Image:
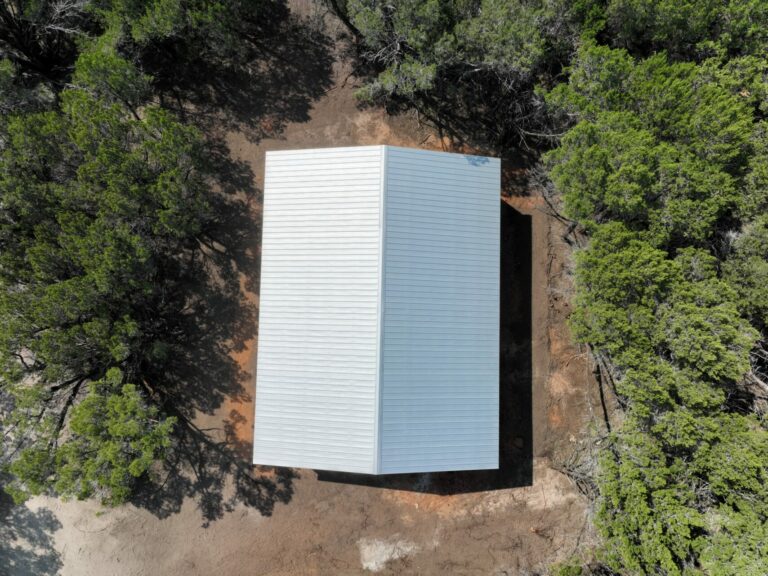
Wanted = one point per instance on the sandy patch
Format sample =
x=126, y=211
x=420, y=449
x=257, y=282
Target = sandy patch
x=375, y=553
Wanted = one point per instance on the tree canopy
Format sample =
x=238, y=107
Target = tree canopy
x=470, y=67
x=99, y=206
x=42, y=39
x=661, y=167
x=121, y=292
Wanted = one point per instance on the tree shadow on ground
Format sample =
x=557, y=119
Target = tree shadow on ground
x=26, y=540
x=282, y=63
x=288, y=66
x=202, y=371
x=479, y=112
x=515, y=383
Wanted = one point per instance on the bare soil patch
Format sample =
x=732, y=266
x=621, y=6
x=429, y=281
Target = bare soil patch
x=522, y=518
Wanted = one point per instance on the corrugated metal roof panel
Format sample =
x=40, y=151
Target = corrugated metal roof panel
x=318, y=320
x=440, y=349
x=379, y=311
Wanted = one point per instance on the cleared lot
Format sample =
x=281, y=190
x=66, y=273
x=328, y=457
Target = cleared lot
x=523, y=517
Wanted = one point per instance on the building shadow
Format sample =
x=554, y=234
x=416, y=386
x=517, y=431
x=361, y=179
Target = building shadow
x=515, y=383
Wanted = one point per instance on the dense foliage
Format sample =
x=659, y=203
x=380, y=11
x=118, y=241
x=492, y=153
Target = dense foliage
x=469, y=66
x=99, y=206
x=39, y=36
x=121, y=291
x=663, y=168
x=104, y=200
x=42, y=39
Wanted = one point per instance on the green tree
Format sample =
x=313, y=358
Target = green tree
x=467, y=66
x=657, y=141
x=663, y=168
x=691, y=29
x=113, y=438
x=14, y=96
x=42, y=39
x=746, y=269
x=172, y=39
x=101, y=207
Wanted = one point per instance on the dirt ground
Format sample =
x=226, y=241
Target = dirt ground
x=518, y=520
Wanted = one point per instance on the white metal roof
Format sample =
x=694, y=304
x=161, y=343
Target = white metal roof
x=379, y=311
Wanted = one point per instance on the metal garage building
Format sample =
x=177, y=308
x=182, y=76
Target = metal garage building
x=379, y=311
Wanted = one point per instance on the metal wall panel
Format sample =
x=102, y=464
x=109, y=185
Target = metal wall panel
x=379, y=310
x=318, y=311
x=439, y=387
